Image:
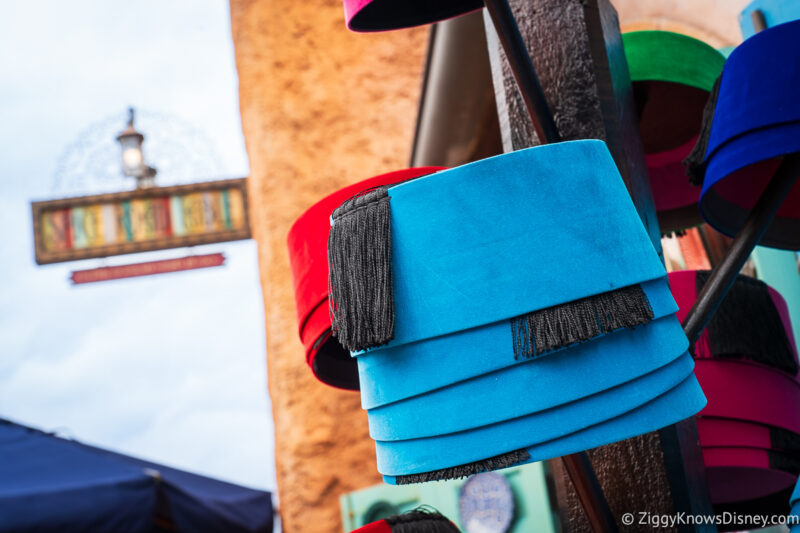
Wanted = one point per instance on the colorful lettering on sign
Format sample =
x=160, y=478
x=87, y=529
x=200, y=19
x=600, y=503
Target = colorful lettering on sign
x=89, y=226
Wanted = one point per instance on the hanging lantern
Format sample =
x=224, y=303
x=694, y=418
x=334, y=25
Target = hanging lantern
x=753, y=124
x=747, y=365
x=672, y=77
x=493, y=289
x=308, y=256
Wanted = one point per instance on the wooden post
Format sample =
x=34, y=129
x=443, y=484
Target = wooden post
x=576, y=49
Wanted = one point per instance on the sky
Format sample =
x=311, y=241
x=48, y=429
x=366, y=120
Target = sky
x=168, y=368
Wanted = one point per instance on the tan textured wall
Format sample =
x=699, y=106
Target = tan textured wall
x=321, y=108
x=713, y=21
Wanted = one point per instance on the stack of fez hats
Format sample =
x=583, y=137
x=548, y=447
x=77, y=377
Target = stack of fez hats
x=506, y=311
x=672, y=76
x=746, y=362
x=308, y=256
x=752, y=122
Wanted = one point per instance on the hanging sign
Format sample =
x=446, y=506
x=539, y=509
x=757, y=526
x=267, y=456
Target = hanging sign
x=149, y=268
x=148, y=219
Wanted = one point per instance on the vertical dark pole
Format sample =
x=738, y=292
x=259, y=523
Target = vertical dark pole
x=577, y=465
x=577, y=52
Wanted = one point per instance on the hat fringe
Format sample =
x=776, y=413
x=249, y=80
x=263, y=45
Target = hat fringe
x=493, y=463
x=784, y=462
x=784, y=440
x=420, y=520
x=361, y=298
x=545, y=330
x=695, y=163
x=747, y=325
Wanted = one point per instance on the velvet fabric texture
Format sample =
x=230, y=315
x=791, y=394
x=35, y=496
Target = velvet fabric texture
x=451, y=359
x=381, y=15
x=498, y=238
x=676, y=404
x=308, y=257
x=756, y=122
x=672, y=76
x=747, y=366
x=752, y=321
x=474, y=247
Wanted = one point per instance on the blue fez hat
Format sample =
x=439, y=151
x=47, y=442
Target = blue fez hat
x=511, y=278
x=795, y=503
x=751, y=122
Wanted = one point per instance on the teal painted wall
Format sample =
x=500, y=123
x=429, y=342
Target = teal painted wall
x=533, y=510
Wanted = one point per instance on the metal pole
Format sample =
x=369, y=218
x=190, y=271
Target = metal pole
x=578, y=465
x=724, y=274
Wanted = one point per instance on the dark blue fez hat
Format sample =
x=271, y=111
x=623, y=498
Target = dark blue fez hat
x=754, y=122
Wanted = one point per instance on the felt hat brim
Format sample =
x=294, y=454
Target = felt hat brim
x=750, y=391
x=488, y=441
x=499, y=238
x=756, y=120
x=382, y=15
x=731, y=432
x=740, y=474
x=539, y=385
x=435, y=363
x=678, y=403
x=655, y=55
x=737, y=174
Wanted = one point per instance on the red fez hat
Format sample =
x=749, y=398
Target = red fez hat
x=308, y=256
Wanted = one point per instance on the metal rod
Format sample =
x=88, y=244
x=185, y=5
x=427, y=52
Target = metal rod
x=758, y=20
x=578, y=465
x=724, y=274
x=522, y=68
x=586, y=485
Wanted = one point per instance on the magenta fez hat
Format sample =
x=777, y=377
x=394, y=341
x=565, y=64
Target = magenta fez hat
x=747, y=366
x=380, y=15
x=672, y=76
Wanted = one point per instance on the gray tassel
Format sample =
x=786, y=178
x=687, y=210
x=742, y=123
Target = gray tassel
x=784, y=440
x=695, y=162
x=360, y=271
x=493, y=463
x=420, y=520
x=747, y=325
x=578, y=321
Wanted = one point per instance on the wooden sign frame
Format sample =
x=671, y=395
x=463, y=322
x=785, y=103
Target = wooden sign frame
x=44, y=256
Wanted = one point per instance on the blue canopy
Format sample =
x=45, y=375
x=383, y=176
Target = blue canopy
x=48, y=483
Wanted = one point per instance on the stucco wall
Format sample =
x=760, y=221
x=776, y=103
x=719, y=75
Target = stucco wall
x=321, y=108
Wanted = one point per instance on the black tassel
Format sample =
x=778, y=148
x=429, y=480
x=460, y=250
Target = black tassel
x=578, y=321
x=695, y=162
x=360, y=271
x=493, y=463
x=747, y=325
x=421, y=520
x=784, y=440
x=784, y=462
